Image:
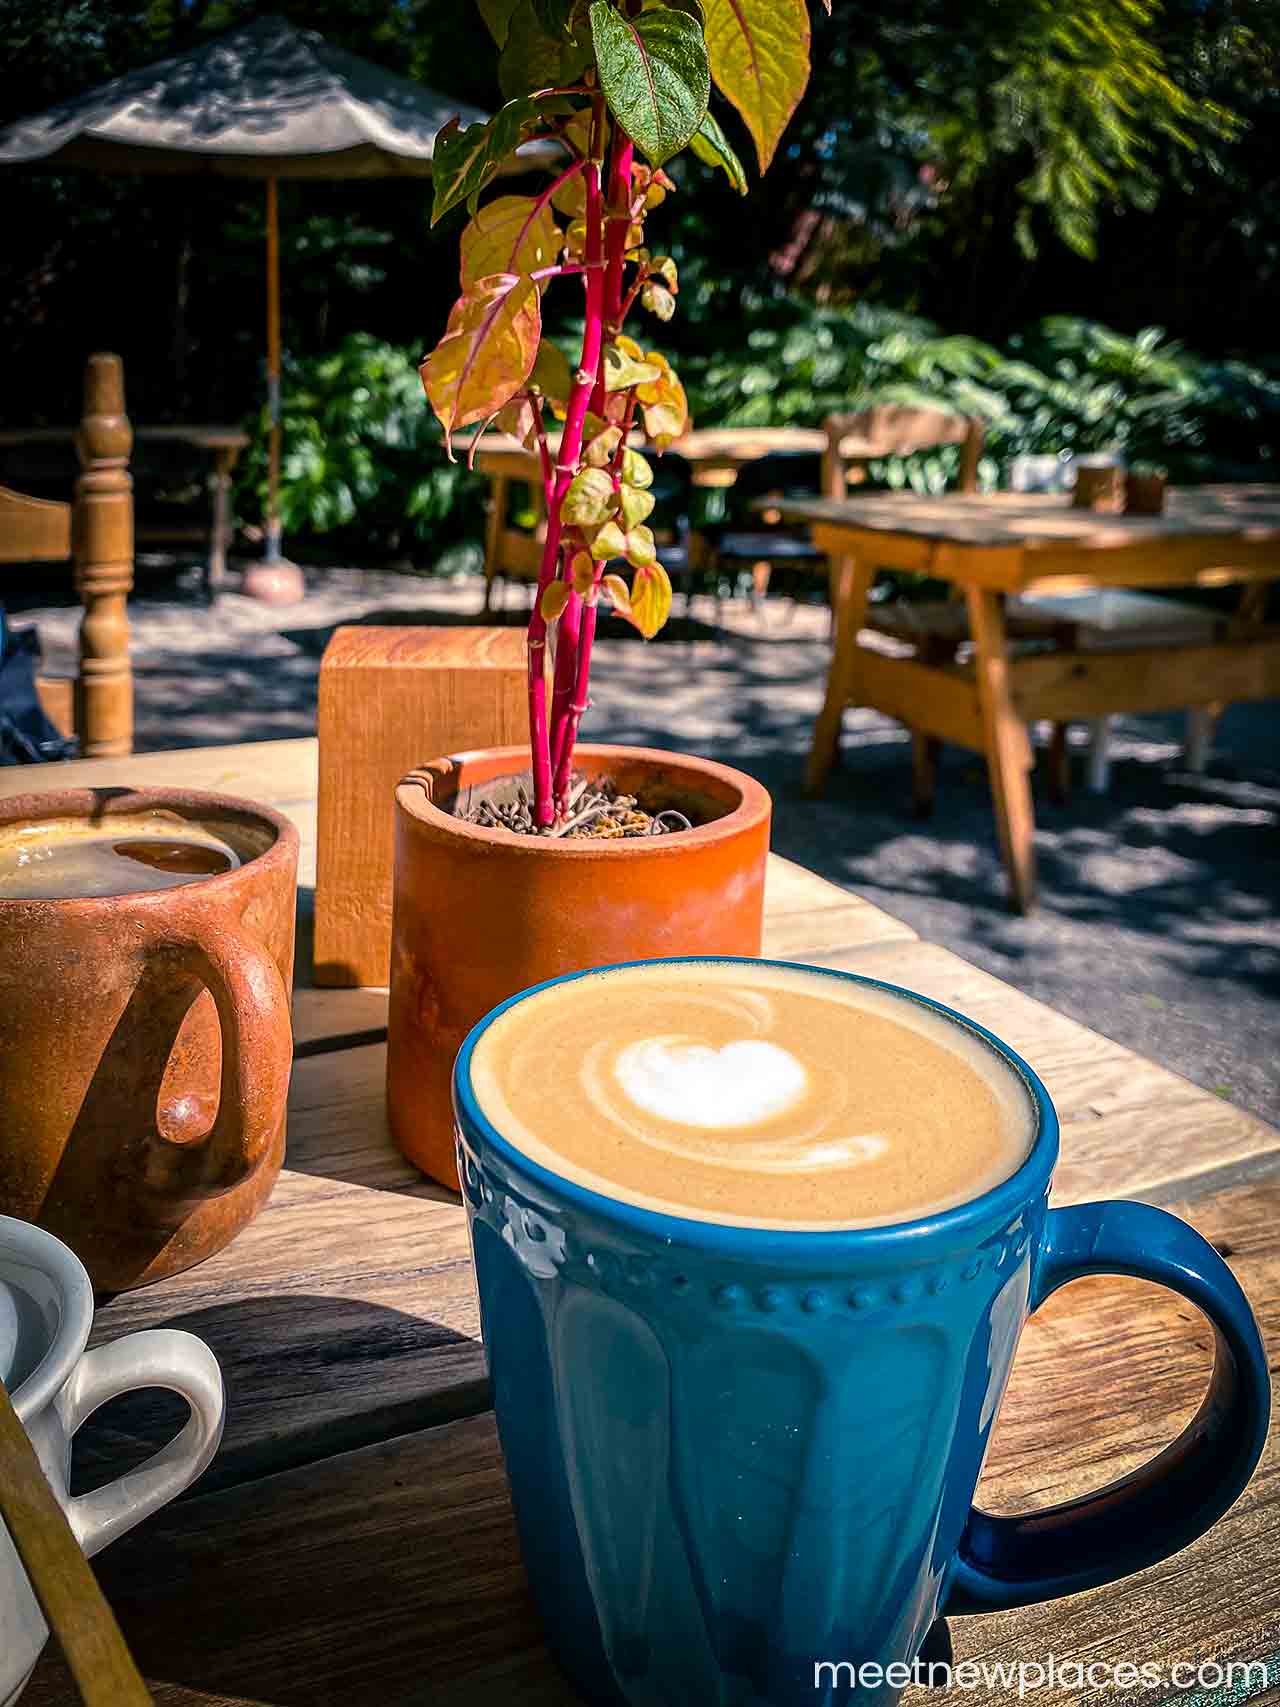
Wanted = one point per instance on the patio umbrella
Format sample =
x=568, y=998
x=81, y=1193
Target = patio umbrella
x=266, y=100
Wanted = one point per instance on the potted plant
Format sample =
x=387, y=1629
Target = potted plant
x=514, y=865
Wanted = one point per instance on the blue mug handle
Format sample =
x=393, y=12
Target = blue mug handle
x=1012, y=1561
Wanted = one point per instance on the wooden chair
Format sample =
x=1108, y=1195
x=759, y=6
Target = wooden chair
x=96, y=529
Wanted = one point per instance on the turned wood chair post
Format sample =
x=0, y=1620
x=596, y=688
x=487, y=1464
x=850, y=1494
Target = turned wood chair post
x=103, y=548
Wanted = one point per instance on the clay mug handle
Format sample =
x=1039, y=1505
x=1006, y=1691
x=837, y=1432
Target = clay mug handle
x=257, y=1058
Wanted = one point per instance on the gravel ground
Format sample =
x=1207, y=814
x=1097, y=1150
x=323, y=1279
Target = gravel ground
x=1157, y=923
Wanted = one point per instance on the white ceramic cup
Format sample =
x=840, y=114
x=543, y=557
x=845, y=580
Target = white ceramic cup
x=46, y=1310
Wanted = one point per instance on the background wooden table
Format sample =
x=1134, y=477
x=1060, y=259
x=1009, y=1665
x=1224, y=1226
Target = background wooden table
x=353, y=1541
x=1006, y=543
x=222, y=444
x=715, y=455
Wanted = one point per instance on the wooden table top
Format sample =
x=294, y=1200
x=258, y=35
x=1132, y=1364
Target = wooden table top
x=353, y=1540
x=1035, y=521
x=716, y=453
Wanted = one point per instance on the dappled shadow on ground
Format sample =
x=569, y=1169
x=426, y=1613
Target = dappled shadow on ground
x=1158, y=900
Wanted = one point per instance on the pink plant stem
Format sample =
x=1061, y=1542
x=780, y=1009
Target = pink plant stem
x=573, y=681
x=542, y=736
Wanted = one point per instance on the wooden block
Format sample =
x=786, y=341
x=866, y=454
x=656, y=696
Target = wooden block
x=391, y=698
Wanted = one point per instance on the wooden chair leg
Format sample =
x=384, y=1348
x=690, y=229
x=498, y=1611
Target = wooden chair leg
x=495, y=522
x=1059, y=765
x=1201, y=722
x=850, y=589
x=925, y=750
x=1007, y=747
x=1099, y=755
x=103, y=540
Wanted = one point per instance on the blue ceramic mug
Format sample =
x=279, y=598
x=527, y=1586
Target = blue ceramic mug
x=736, y=1454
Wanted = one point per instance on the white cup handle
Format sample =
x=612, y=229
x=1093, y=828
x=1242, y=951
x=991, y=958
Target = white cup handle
x=157, y=1357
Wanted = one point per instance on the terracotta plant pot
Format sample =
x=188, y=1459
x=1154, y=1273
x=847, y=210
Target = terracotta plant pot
x=480, y=913
x=1144, y=494
x=145, y=1044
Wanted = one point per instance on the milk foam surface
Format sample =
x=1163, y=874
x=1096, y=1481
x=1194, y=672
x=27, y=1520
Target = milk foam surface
x=756, y=1095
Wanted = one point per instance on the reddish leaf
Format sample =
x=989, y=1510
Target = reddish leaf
x=487, y=352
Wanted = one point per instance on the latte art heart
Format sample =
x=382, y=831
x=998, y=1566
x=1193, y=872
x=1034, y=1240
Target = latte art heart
x=750, y=1094
x=692, y=1084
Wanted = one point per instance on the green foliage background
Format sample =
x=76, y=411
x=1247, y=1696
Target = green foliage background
x=960, y=171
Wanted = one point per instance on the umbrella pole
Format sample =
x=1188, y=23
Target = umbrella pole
x=273, y=373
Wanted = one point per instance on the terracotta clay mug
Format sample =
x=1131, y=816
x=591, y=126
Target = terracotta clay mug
x=145, y=1043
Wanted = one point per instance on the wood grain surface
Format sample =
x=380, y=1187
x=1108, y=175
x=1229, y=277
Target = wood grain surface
x=1034, y=520
x=390, y=699
x=390, y=1575
x=346, y=1312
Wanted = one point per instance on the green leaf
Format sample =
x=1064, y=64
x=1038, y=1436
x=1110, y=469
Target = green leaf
x=509, y=235
x=487, y=352
x=464, y=161
x=557, y=17
x=497, y=16
x=590, y=499
x=759, y=53
x=692, y=7
x=712, y=146
x=536, y=57
x=654, y=74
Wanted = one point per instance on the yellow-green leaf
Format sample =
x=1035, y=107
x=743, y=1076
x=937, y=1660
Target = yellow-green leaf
x=759, y=53
x=663, y=404
x=641, y=549
x=551, y=374
x=509, y=235
x=665, y=269
x=487, y=352
x=650, y=599
x=614, y=589
x=590, y=499
x=635, y=470
x=555, y=596
x=608, y=541
x=635, y=505
x=599, y=452
x=622, y=370
x=658, y=299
